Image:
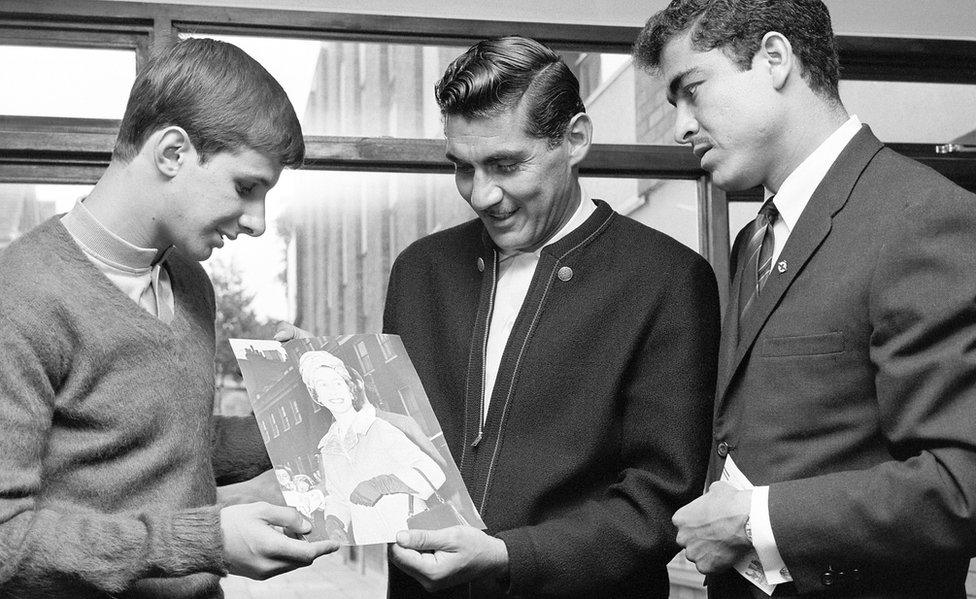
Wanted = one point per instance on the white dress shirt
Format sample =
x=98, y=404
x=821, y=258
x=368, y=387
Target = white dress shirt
x=791, y=199
x=133, y=269
x=515, y=271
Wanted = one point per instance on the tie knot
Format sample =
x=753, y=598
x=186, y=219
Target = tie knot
x=768, y=212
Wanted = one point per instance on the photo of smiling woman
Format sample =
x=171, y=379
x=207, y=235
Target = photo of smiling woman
x=374, y=477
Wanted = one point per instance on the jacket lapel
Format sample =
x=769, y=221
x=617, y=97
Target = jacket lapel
x=810, y=231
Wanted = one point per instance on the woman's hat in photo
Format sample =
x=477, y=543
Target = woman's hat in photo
x=311, y=360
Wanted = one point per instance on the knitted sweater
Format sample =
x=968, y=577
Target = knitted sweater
x=107, y=486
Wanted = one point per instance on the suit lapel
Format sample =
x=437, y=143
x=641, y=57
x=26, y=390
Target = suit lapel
x=811, y=229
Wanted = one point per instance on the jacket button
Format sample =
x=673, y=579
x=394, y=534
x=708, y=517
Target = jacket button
x=481, y=265
x=565, y=273
x=722, y=449
x=827, y=578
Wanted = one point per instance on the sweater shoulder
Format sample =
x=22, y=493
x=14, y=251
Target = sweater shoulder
x=633, y=238
x=39, y=263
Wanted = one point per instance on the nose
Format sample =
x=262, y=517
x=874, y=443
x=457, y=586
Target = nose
x=685, y=124
x=252, y=221
x=485, y=192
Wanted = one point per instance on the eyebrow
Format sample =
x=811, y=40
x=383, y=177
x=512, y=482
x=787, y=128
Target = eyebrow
x=675, y=84
x=257, y=178
x=492, y=159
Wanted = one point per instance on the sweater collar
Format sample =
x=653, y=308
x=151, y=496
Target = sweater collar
x=570, y=240
x=106, y=245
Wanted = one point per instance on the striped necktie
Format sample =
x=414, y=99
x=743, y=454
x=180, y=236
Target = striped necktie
x=759, y=257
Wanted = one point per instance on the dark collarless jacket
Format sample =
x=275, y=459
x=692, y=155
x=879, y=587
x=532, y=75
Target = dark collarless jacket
x=852, y=388
x=598, y=426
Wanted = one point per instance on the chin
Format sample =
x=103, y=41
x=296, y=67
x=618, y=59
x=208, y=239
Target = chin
x=733, y=182
x=202, y=255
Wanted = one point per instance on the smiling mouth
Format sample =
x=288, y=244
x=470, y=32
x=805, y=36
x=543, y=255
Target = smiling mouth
x=500, y=216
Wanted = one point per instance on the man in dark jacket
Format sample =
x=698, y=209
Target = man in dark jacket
x=568, y=351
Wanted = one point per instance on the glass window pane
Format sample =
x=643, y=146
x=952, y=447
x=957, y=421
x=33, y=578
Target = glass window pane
x=668, y=205
x=913, y=112
x=355, y=88
x=65, y=82
x=26, y=205
x=369, y=88
x=627, y=105
x=332, y=238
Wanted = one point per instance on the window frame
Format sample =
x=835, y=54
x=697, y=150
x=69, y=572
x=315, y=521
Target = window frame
x=69, y=150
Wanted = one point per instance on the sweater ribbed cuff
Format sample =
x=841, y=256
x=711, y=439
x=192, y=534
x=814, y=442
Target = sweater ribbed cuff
x=196, y=543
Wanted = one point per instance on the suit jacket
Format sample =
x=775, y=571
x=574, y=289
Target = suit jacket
x=852, y=388
x=598, y=426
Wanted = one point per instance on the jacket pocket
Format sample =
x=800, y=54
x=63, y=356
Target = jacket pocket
x=803, y=345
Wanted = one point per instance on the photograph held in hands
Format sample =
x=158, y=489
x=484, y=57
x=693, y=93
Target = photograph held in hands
x=356, y=448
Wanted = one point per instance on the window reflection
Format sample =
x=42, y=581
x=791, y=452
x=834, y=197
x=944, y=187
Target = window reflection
x=909, y=112
x=23, y=206
x=332, y=237
x=380, y=89
x=65, y=82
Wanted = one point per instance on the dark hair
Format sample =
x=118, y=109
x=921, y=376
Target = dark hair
x=495, y=75
x=223, y=98
x=737, y=28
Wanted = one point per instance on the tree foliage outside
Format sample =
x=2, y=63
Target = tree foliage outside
x=236, y=318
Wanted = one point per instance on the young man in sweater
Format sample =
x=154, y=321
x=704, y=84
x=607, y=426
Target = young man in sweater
x=110, y=451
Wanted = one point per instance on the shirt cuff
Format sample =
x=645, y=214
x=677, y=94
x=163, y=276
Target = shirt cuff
x=762, y=538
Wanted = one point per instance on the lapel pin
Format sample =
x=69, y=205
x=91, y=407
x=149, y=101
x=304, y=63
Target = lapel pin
x=782, y=266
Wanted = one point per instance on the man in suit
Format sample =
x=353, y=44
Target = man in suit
x=567, y=350
x=844, y=441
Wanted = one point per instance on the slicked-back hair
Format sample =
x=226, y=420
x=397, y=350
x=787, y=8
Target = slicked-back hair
x=737, y=28
x=496, y=75
x=224, y=100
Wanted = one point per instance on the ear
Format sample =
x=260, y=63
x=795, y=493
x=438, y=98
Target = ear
x=579, y=135
x=171, y=149
x=776, y=56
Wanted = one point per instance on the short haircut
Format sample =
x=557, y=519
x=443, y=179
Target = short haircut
x=737, y=28
x=495, y=75
x=224, y=100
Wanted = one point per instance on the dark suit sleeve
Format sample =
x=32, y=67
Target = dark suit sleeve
x=238, y=449
x=922, y=503
x=665, y=427
x=389, y=308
